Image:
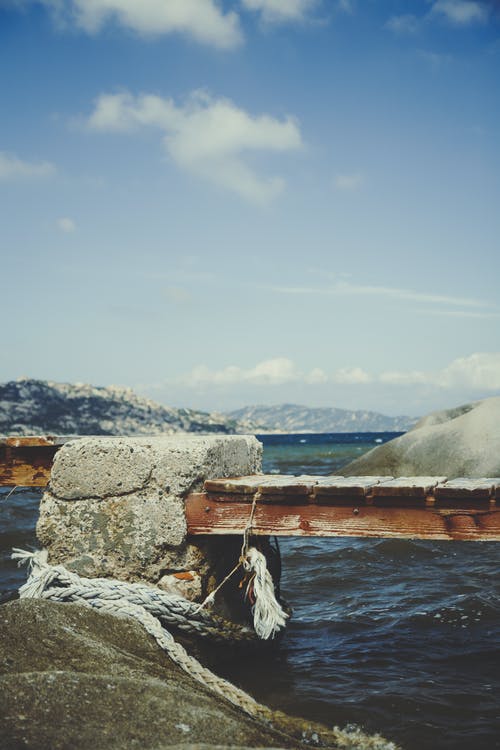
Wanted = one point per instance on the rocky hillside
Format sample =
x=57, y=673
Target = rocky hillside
x=30, y=407
x=293, y=418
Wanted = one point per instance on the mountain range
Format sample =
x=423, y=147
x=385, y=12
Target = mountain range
x=30, y=407
x=294, y=418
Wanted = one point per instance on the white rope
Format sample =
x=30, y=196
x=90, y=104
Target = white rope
x=59, y=584
x=268, y=615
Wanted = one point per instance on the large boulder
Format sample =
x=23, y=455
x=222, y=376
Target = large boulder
x=72, y=678
x=460, y=442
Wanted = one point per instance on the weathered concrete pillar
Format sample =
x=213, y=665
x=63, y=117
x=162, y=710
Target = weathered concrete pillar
x=115, y=507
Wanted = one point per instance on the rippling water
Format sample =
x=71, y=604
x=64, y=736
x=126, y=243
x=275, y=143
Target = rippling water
x=397, y=636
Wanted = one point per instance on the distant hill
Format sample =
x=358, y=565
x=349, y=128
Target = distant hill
x=294, y=418
x=30, y=407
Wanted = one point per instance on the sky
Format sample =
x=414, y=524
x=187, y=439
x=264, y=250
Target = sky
x=253, y=202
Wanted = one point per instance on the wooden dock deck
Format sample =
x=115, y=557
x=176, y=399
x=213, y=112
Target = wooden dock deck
x=405, y=507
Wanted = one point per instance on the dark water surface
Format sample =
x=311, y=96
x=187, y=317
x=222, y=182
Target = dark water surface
x=401, y=637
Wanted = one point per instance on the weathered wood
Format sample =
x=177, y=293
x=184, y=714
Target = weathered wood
x=346, y=487
x=34, y=441
x=26, y=467
x=412, y=507
x=266, y=484
x=413, y=487
x=27, y=461
x=462, y=487
x=235, y=485
x=207, y=516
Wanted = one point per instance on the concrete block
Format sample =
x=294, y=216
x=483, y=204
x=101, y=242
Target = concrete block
x=115, y=506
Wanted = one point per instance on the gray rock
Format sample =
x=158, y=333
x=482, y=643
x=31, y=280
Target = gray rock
x=100, y=468
x=115, y=506
x=464, y=441
x=72, y=678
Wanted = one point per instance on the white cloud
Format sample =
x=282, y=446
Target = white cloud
x=351, y=376
x=207, y=137
x=349, y=182
x=345, y=288
x=404, y=24
x=317, y=376
x=66, y=225
x=281, y=11
x=460, y=12
x=12, y=168
x=468, y=376
x=462, y=314
x=455, y=12
x=269, y=372
x=480, y=371
x=202, y=20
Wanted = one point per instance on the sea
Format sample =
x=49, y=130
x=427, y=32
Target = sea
x=394, y=636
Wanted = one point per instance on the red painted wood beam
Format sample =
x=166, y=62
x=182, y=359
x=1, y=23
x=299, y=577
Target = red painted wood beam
x=208, y=515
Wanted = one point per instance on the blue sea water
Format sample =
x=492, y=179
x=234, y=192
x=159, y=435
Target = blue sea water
x=396, y=636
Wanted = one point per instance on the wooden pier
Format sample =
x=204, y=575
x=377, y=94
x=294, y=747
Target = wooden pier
x=27, y=461
x=283, y=505
x=385, y=507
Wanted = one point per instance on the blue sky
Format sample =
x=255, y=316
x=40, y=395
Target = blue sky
x=224, y=203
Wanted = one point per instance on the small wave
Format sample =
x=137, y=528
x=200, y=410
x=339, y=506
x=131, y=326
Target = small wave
x=404, y=549
x=464, y=612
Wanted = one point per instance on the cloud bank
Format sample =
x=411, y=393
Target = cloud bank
x=208, y=137
x=479, y=372
x=275, y=371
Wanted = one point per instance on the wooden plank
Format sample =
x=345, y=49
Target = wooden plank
x=411, y=487
x=246, y=499
x=34, y=441
x=206, y=516
x=463, y=487
x=285, y=485
x=247, y=485
x=26, y=467
x=266, y=484
x=346, y=487
x=26, y=461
